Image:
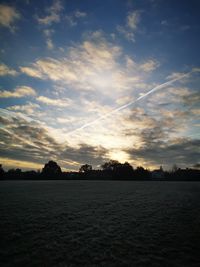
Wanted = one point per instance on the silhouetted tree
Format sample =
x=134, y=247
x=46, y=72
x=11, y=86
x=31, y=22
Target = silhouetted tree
x=142, y=173
x=127, y=170
x=85, y=168
x=110, y=165
x=1, y=171
x=15, y=173
x=111, y=170
x=118, y=170
x=174, y=168
x=51, y=169
x=32, y=175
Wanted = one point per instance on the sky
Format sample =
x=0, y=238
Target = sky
x=88, y=81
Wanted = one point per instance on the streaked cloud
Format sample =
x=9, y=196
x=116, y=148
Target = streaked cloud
x=5, y=70
x=180, y=151
x=28, y=109
x=54, y=102
x=22, y=164
x=91, y=82
x=176, y=75
x=20, y=91
x=31, y=142
x=33, y=72
x=99, y=62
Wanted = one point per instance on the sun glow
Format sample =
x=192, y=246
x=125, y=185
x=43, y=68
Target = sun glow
x=121, y=156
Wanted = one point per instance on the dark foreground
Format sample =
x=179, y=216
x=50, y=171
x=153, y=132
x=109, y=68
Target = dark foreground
x=85, y=223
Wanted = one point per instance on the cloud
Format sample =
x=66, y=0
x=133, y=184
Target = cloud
x=80, y=14
x=75, y=16
x=177, y=75
x=28, y=109
x=64, y=120
x=131, y=133
x=197, y=166
x=20, y=91
x=90, y=59
x=86, y=154
x=52, y=69
x=8, y=16
x=185, y=28
x=196, y=111
x=48, y=33
x=30, y=142
x=53, y=14
x=54, y=102
x=164, y=23
x=149, y=65
x=176, y=95
x=191, y=99
x=5, y=70
x=4, y=121
x=196, y=70
x=183, y=152
x=129, y=35
x=133, y=19
x=158, y=138
x=33, y=72
x=50, y=45
x=14, y=163
x=26, y=141
x=93, y=65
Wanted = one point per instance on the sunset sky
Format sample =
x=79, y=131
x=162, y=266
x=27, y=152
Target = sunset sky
x=69, y=68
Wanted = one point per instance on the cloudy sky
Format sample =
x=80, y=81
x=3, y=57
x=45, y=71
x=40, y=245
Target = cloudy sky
x=76, y=80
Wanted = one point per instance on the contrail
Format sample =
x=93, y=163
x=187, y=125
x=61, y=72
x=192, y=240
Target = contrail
x=156, y=88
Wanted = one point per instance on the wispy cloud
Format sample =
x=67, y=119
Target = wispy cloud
x=80, y=14
x=20, y=91
x=50, y=45
x=8, y=16
x=150, y=65
x=48, y=32
x=75, y=16
x=31, y=142
x=53, y=14
x=181, y=151
x=129, y=35
x=5, y=70
x=101, y=63
x=132, y=21
x=158, y=87
x=28, y=109
x=54, y=102
x=30, y=71
x=175, y=75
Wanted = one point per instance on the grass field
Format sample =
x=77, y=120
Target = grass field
x=99, y=223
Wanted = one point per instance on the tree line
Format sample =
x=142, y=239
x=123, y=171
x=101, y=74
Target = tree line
x=111, y=170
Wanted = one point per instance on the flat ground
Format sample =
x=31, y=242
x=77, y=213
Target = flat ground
x=99, y=223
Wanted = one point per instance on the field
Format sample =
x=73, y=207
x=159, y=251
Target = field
x=99, y=223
